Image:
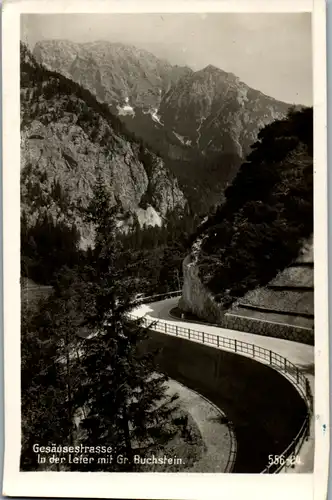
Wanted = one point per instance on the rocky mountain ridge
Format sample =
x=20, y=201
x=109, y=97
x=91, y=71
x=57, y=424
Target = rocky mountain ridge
x=67, y=138
x=218, y=112
x=112, y=71
x=202, y=122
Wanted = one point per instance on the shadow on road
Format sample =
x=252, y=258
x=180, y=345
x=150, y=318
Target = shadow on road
x=265, y=409
x=307, y=369
x=160, y=310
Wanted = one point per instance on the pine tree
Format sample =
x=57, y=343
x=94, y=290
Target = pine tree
x=125, y=396
x=110, y=378
x=43, y=385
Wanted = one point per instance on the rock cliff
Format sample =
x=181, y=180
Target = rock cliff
x=196, y=298
x=67, y=137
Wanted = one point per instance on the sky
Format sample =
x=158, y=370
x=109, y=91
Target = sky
x=269, y=52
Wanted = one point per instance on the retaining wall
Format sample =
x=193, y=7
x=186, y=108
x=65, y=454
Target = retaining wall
x=198, y=300
x=268, y=329
x=266, y=410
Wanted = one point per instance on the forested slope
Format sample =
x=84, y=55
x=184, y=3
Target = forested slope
x=267, y=214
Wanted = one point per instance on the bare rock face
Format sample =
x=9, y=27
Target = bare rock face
x=196, y=298
x=112, y=71
x=217, y=112
x=67, y=137
x=165, y=193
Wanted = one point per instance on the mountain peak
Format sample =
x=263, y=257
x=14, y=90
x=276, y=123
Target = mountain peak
x=210, y=69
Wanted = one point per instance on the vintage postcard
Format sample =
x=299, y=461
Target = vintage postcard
x=165, y=249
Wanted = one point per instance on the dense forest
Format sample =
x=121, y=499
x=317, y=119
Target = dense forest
x=152, y=256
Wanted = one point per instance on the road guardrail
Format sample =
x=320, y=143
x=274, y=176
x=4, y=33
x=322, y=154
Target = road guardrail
x=271, y=358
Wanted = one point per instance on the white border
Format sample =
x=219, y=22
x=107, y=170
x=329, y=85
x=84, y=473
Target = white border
x=156, y=485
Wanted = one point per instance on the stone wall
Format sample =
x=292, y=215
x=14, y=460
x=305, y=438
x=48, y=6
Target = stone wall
x=196, y=298
x=269, y=329
x=284, y=308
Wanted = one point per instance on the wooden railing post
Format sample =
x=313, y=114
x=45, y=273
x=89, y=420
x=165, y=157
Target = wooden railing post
x=253, y=350
x=235, y=345
x=189, y=333
x=203, y=337
x=176, y=330
x=297, y=375
x=218, y=340
x=270, y=357
x=165, y=327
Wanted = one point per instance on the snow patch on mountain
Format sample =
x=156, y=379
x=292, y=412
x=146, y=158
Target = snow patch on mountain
x=153, y=112
x=185, y=142
x=202, y=119
x=126, y=109
x=148, y=217
x=155, y=117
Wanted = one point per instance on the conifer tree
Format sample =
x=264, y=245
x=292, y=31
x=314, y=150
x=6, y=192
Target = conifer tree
x=125, y=396
x=110, y=377
x=44, y=385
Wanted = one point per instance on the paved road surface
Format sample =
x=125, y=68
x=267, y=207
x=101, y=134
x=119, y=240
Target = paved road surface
x=301, y=355
x=216, y=435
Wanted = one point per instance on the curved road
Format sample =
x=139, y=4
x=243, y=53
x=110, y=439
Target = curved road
x=301, y=355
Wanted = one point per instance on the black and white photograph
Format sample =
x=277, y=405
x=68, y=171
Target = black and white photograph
x=167, y=250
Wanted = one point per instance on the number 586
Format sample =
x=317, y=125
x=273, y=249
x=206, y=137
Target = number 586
x=277, y=460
